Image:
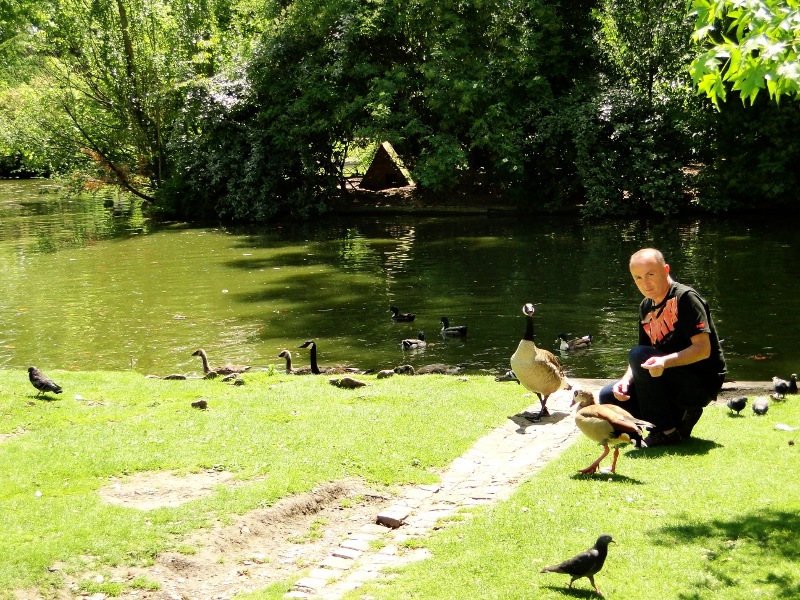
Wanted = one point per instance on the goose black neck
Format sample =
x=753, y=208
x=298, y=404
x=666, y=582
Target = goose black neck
x=314, y=368
x=528, y=329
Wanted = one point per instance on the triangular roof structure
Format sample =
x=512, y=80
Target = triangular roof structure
x=386, y=170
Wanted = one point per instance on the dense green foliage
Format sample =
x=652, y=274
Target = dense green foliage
x=752, y=46
x=245, y=110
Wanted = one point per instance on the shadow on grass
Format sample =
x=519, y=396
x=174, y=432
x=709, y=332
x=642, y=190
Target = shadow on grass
x=761, y=542
x=691, y=447
x=527, y=419
x=572, y=592
x=606, y=478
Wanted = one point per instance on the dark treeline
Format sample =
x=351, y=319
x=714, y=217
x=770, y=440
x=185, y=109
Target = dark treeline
x=244, y=110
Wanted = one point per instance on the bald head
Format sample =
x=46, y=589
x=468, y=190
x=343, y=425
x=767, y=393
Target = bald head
x=648, y=255
x=650, y=272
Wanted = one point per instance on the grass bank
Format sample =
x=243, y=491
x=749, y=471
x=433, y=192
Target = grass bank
x=279, y=435
x=715, y=518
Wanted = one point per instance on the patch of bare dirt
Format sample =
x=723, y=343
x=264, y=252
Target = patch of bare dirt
x=259, y=548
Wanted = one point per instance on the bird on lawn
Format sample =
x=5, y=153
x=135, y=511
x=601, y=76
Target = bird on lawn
x=737, y=404
x=538, y=370
x=317, y=370
x=793, y=384
x=586, y=564
x=414, y=344
x=454, y=331
x=578, y=343
x=760, y=405
x=401, y=317
x=608, y=425
x=290, y=370
x=439, y=369
x=507, y=376
x=781, y=386
x=225, y=369
x=42, y=382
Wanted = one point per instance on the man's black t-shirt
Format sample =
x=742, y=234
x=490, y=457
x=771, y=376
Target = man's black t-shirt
x=670, y=325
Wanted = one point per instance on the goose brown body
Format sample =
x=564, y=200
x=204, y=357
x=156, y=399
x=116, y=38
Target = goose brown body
x=608, y=425
x=537, y=369
x=226, y=369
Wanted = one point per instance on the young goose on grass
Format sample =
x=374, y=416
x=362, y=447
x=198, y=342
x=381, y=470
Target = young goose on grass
x=398, y=316
x=304, y=370
x=226, y=369
x=317, y=370
x=538, y=370
x=439, y=369
x=608, y=425
x=454, y=331
x=578, y=343
x=414, y=344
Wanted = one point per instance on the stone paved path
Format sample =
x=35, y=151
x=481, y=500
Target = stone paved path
x=488, y=472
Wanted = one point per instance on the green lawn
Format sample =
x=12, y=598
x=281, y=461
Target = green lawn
x=715, y=518
x=282, y=434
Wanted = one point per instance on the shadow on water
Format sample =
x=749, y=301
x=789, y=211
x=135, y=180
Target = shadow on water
x=93, y=284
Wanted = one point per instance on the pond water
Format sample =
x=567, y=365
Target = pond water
x=92, y=284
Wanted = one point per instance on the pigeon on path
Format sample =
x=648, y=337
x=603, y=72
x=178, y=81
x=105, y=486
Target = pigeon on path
x=42, y=382
x=585, y=564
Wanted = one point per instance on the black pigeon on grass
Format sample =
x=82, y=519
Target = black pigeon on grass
x=42, y=382
x=585, y=564
x=737, y=404
x=781, y=386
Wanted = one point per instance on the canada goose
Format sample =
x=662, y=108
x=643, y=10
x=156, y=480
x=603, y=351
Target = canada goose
x=304, y=370
x=398, y=316
x=538, y=370
x=578, y=343
x=226, y=369
x=454, y=331
x=608, y=425
x=316, y=370
x=42, y=382
x=414, y=344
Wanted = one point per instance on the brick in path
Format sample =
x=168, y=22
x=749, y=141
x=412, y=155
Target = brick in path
x=489, y=472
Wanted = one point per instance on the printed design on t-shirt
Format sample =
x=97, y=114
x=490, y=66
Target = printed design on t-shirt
x=658, y=325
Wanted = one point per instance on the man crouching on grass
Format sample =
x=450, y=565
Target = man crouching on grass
x=678, y=367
